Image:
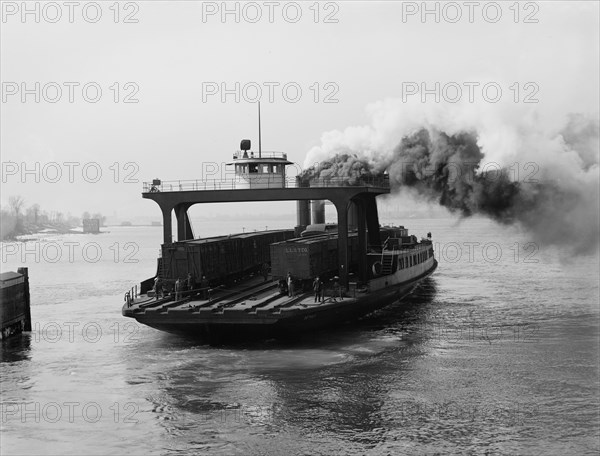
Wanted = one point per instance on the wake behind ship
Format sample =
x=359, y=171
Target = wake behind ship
x=276, y=283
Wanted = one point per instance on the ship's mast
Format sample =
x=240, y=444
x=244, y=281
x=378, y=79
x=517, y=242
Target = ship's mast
x=259, y=138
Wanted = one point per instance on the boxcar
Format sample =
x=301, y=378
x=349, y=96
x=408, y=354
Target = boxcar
x=308, y=257
x=220, y=258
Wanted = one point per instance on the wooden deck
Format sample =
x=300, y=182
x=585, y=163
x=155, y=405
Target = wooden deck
x=251, y=297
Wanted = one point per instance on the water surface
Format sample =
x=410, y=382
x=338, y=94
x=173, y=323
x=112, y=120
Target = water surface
x=492, y=355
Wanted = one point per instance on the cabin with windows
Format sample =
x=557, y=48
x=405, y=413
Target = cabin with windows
x=258, y=170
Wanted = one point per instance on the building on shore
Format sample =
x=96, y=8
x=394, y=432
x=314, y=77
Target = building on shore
x=91, y=225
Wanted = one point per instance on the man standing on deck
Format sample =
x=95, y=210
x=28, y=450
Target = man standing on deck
x=290, y=285
x=318, y=287
x=178, y=289
x=204, y=287
x=157, y=287
x=191, y=284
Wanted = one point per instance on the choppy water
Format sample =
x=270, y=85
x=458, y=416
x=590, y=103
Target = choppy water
x=487, y=357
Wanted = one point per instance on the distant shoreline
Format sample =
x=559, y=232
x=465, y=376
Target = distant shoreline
x=128, y=225
x=16, y=236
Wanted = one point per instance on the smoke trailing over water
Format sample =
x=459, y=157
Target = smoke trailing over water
x=445, y=169
x=545, y=183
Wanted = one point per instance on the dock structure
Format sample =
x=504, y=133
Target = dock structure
x=262, y=178
x=15, y=313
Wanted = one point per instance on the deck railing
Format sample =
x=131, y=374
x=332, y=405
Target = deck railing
x=268, y=182
x=251, y=154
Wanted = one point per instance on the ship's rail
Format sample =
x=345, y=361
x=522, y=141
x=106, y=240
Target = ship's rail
x=403, y=249
x=268, y=182
x=251, y=154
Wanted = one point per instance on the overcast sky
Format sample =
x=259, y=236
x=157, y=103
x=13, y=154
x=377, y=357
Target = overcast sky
x=177, y=54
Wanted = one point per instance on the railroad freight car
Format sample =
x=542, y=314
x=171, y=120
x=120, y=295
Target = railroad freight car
x=315, y=255
x=308, y=257
x=221, y=259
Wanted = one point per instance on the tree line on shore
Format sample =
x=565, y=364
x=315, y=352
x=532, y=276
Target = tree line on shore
x=18, y=219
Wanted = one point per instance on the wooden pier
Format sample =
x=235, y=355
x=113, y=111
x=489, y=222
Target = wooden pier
x=15, y=313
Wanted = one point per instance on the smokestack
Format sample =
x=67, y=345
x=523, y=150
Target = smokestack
x=374, y=236
x=353, y=216
x=303, y=213
x=318, y=211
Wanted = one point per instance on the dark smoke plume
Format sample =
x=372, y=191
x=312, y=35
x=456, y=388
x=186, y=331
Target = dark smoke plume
x=347, y=168
x=557, y=205
x=446, y=169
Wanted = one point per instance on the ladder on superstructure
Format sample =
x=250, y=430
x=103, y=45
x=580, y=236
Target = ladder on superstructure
x=387, y=261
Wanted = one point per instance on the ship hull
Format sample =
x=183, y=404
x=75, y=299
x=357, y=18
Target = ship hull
x=232, y=326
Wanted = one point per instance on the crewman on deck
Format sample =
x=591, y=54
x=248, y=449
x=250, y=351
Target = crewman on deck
x=157, y=287
x=204, y=287
x=178, y=289
x=265, y=271
x=290, y=285
x=191, y=284
x=318, y=287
